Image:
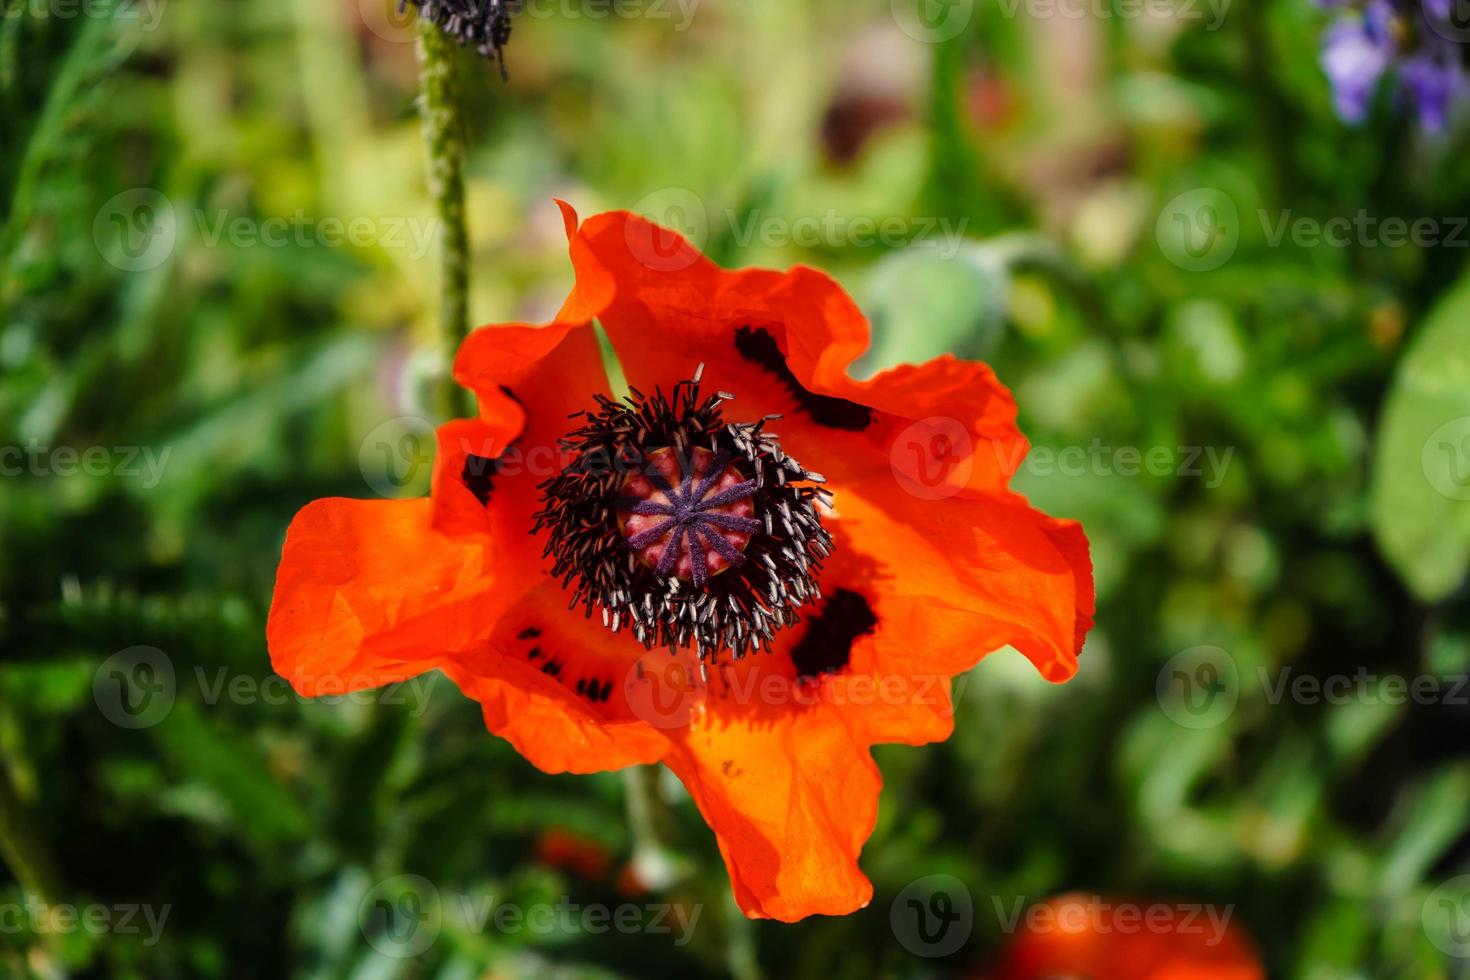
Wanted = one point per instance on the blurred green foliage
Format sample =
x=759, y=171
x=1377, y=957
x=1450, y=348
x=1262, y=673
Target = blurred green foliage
x=1312, y=536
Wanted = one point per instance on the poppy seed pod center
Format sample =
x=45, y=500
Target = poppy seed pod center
x=683, y=527
x=688, y=514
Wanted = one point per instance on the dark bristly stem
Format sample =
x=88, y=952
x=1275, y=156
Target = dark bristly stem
x=444, y=139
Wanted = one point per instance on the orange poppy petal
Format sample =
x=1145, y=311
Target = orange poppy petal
x=367, y=594
x=550, y=371
x=937, y=562
x=789, y=789
x=782, y=343
x=527, y=380
x=551, y=682
x=776, y=753
x=964, y=577
x=923, y=482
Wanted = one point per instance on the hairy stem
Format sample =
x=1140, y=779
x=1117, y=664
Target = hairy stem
x=444, y=139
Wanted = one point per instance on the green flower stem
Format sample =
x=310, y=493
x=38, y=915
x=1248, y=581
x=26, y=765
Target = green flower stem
x=652, y=826
x=444, y=138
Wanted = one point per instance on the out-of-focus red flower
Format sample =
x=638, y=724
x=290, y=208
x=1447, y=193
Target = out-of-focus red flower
x=1085, y=936
x=571, y=851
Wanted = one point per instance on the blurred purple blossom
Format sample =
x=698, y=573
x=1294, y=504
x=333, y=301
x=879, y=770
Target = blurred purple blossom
x=1412, y=43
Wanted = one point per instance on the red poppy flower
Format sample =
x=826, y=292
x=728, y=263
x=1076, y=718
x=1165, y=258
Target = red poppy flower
x=663, y=578
x=1104, y=939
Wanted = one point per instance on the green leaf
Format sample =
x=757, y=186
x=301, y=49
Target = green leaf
x=233, y=772
x=927, y=301
x=1421, y=472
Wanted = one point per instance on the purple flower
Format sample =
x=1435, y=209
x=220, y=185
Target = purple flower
x=1431, y=78
x=1439, y=9
x=1354, y=59
x=1404, y=39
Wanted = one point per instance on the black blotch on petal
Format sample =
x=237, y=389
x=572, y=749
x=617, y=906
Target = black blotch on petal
x=479, y=475
x=827, y=643
x=529, y=633
x=756, y=345
x=535, y=652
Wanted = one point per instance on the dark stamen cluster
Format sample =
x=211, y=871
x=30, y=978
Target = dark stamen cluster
x=739, y=609
x=480, y=24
